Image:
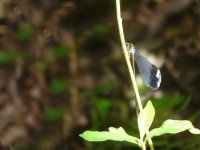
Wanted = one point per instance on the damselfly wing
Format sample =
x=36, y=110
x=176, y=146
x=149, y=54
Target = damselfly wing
x=151, y=75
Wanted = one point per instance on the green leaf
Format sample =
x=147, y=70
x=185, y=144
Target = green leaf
x=115, y=134
x=99, y=30
x=59, y=86
x=106, y=87
x=173, y=127
x=52, y=113
x=6, y=57
x=102, y=106
x=145, y=119
x=43, y=65
x=24, y=33
x=60, y=51
x=173, y=102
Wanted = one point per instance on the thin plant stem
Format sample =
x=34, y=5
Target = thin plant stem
x=130, y=68
x=143, y=147
x=121, y=33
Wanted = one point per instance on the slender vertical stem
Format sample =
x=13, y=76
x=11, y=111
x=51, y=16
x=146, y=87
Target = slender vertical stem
x=143, y=147
x=121, y=32
x=134, y=84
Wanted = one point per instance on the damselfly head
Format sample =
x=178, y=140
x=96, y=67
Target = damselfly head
x=130, y=48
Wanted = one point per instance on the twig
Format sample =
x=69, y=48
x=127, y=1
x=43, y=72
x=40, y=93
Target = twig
x=134, y=84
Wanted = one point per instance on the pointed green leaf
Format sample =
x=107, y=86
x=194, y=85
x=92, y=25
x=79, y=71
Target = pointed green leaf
x=145, y=119
x=194, y=131
x=173, y=127
x=115, y=134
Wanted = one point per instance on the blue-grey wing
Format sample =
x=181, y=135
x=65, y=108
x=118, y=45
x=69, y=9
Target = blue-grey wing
x=150, y=74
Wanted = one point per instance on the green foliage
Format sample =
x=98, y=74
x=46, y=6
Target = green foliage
x=24, y=146
x=106, y=87
x=24, y=33
x=53, y=113
x=145, y=120
x=43, y=65
x=101, y=110
x=6, y=57
x=173, y=127
x=188, y=143
x=164, y=104
x=115, y=134
x=102, y=106
x=99, y=30
x=59, y=86
x=60, y=51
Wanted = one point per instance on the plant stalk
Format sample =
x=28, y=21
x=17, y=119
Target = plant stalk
x=130, y=69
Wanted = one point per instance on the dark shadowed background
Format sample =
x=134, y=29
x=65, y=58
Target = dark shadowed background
x=62, y=71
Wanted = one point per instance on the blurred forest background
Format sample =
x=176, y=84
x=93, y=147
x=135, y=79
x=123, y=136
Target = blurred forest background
x=62, y=71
